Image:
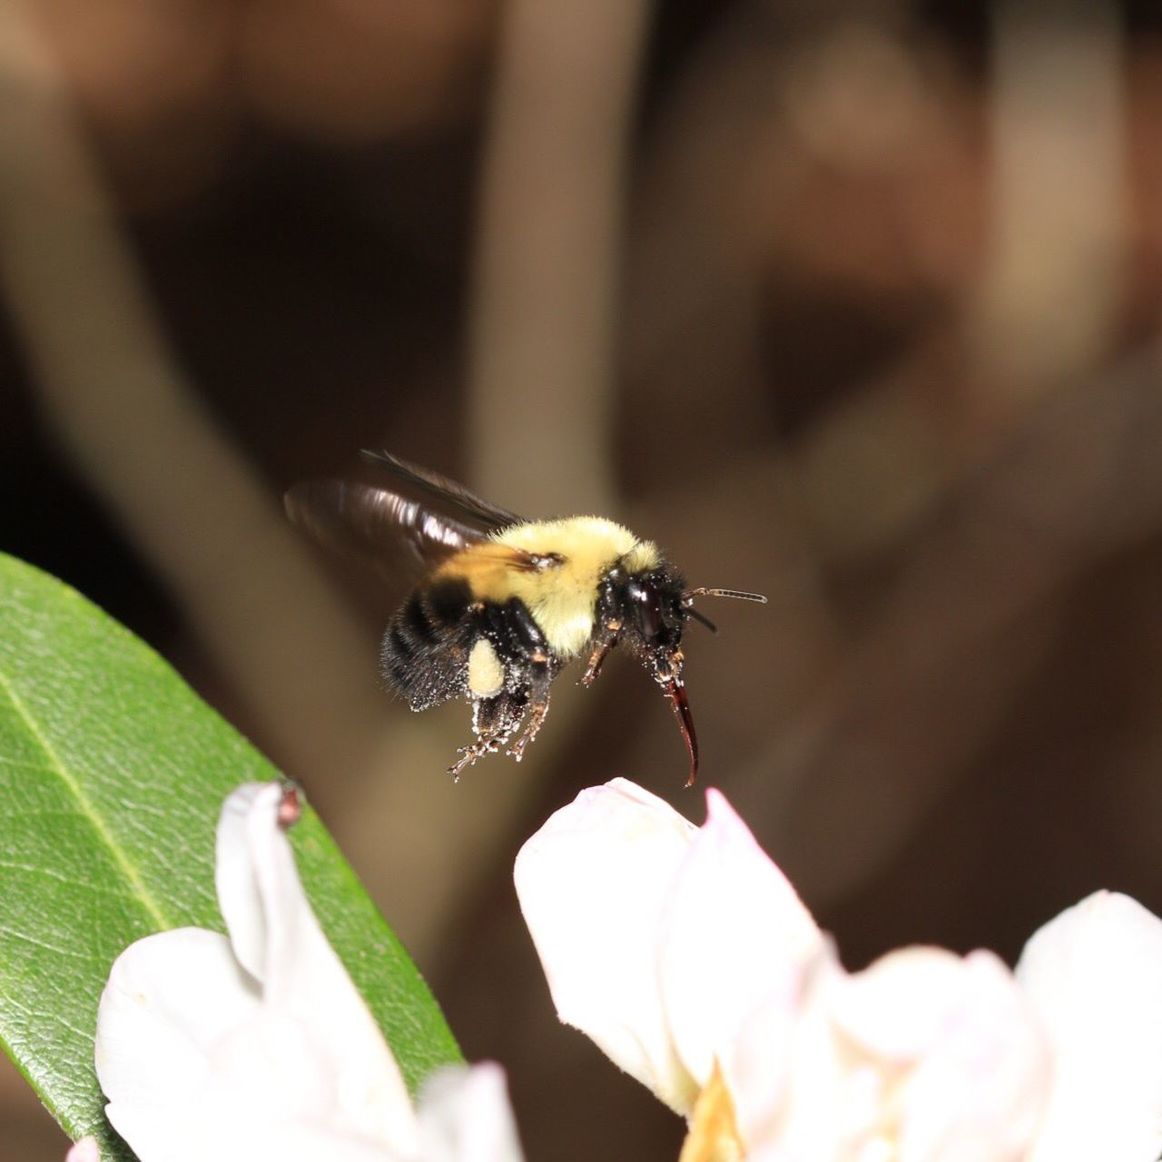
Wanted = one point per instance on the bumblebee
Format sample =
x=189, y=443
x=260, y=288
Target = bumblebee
x=507, y=602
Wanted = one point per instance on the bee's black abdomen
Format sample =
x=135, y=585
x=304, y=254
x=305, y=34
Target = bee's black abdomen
x=418, y=626
x=447, y=601
x=425, y=650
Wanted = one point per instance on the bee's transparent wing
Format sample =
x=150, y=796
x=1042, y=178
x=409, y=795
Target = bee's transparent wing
x=373, y=524
x=450, y=494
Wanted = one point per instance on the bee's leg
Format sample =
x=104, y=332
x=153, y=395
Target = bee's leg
x=532, y=665
x=493, y=722
x=605, y=640
x=540, y=678
x=529, y=668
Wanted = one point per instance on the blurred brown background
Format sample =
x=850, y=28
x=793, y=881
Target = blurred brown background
x=856, y=304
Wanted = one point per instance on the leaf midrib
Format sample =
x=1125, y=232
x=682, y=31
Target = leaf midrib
x=86, y=806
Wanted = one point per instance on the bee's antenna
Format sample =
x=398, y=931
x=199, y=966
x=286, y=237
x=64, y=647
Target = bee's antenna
x=701, y=617
x=689, y=595
x=738, y=594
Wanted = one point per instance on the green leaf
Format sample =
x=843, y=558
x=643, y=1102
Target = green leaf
x=112, y=774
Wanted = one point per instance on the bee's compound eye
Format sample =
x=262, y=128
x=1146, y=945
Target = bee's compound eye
x=647, y=609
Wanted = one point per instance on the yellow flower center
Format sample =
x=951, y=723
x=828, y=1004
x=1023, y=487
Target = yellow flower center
x=713, y=1134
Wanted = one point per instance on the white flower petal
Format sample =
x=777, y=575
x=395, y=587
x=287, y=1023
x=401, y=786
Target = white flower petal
x=979, y=1087
x=898, y=1007
x=592, y=884
x=252, y=1138
x=756, y=1067
x=196, y=1054
x=239, y=898
x=169, y=999
x=924, y=1057
x=290, y=1141
x=795, y=1098
x=1095, y=976
x=733, y=931
x=465, y=1116
x=303, y=979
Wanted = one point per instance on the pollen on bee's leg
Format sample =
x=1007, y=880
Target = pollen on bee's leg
x=486, y=676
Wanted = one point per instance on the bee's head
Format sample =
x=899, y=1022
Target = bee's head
x=648, y=608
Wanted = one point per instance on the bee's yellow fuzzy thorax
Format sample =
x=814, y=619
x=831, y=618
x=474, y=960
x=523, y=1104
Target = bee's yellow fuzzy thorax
x=562, y=600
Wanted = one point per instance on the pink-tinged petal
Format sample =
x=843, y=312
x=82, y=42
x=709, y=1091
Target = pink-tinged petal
x=1095, y=976
x=733, y=930
x=980, y=1087
x=465, y=1116
x=84, y=1150
x=899, y=1006
x=592, y=883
